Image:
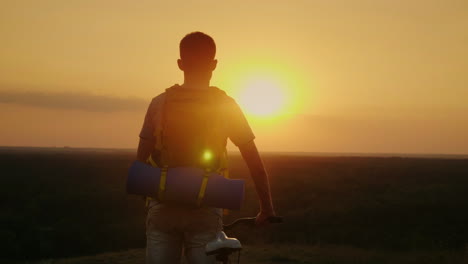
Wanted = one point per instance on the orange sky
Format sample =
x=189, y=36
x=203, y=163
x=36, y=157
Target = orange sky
x=363, y=75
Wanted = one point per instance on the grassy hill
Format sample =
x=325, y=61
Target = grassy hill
x=61, y=203
x=289, y=254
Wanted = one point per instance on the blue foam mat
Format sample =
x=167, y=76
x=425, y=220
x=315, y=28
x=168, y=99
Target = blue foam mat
x=183, y=185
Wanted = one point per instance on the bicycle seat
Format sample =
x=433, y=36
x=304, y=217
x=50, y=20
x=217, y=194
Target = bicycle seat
x=222, y=245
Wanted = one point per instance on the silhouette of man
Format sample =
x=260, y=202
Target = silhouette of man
x=174, y=230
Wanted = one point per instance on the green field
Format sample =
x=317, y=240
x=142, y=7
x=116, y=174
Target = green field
x=59, y=203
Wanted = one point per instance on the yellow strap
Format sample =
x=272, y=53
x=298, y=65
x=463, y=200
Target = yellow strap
x=223, y=168
x=204, y=183
x=151, y=161
x=162, y=180
x=162, y=183
x=147, y=201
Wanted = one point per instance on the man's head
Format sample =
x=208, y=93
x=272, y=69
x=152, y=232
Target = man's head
x=197, y=54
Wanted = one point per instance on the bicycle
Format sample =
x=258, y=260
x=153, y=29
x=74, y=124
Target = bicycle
x=223, y=246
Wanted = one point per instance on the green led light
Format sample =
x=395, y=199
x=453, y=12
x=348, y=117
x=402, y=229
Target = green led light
x=207, y=155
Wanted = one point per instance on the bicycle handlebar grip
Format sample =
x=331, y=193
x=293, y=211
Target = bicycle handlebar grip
x=251, y=221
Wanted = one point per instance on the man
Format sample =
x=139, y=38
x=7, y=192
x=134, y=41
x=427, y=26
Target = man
x=180, y=123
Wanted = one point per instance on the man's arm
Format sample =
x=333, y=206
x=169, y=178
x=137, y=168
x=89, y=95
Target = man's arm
x=145, y=148
x=260, y=177
x=147, y=140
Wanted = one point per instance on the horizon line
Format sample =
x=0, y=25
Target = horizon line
x=301, y=153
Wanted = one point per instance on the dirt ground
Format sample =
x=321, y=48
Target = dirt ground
x=262, y=254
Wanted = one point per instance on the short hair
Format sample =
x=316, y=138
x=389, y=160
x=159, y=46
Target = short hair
x=197, y=47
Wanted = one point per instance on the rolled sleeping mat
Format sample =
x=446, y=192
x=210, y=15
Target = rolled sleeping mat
x=183, y=186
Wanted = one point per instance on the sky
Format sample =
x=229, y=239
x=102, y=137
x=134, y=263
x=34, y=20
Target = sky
x=360, y=76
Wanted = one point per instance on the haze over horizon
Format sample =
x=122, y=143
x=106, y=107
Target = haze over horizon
x=359, y=76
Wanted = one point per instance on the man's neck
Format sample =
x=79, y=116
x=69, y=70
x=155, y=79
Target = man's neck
x=196, y=83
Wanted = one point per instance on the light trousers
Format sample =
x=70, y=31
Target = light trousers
x=174, y=231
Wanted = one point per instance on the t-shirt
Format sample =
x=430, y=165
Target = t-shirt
x=237, y=127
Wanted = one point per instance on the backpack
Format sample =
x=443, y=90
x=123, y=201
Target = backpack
x=191, y=132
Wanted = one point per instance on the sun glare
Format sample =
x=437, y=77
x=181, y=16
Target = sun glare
x=262, y=97
x=268, y=90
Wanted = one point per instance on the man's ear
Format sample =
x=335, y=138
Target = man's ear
x=214, y=63
x=180, y=63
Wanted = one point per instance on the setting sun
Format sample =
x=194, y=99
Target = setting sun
x=262, y=97
x=268, y=89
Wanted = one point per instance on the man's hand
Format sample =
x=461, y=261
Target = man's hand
x=262, y=218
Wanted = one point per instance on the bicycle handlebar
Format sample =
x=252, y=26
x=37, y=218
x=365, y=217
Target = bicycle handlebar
x=251, y=221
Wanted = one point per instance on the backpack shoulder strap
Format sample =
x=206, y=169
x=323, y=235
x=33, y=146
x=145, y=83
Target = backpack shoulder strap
x=160, y=118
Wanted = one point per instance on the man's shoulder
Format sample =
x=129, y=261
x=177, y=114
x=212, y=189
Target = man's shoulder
x=157, y=101
x=158, y=98
x=223, y=96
